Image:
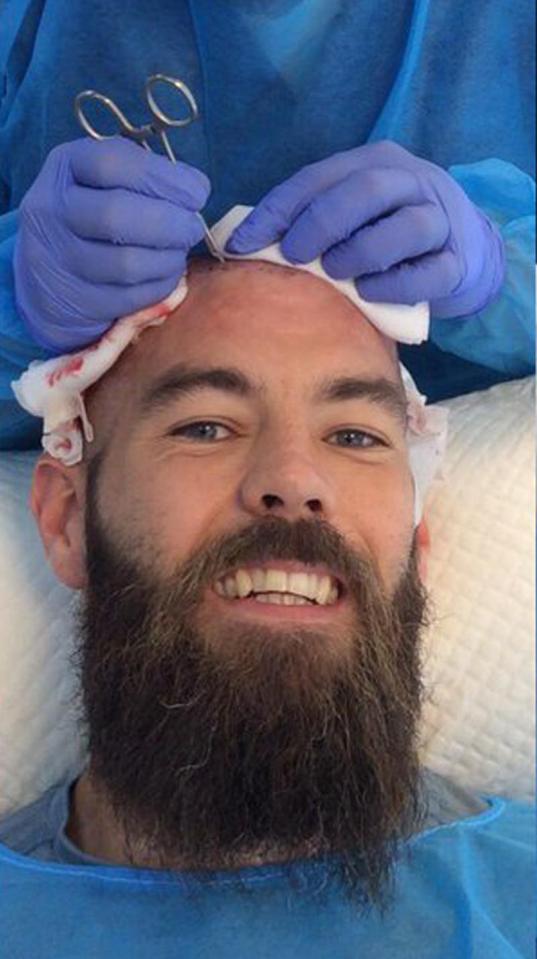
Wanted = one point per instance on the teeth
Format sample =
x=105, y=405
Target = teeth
x=258, y=579
x=244, y=583
x=230, y=587
x=322, y=589
x=285, y=600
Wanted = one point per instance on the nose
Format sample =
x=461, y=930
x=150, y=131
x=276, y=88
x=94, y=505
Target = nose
x=287, y=484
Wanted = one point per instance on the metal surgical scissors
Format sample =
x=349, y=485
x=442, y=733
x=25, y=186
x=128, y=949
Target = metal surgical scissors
x=157, y=127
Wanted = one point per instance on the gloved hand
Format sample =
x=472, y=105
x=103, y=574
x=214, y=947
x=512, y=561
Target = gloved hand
x=397, y=224
x=104, y=231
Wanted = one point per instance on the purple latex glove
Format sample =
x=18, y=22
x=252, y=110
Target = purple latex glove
x=401, y=227
x=104, y=231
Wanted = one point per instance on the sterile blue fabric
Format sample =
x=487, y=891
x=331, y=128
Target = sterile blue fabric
x=281, y=84
x=508, y=197
x=462, y=890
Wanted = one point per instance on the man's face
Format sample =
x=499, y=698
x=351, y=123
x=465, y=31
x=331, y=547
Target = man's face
x=222, y=728
x=171, y=481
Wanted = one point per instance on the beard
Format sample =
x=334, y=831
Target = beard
x=214, y=740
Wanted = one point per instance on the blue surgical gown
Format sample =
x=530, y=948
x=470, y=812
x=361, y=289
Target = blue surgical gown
x=282, y=83
x=462, y=891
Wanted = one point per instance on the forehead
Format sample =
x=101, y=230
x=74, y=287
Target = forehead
x=283, y=327
x=267, y=316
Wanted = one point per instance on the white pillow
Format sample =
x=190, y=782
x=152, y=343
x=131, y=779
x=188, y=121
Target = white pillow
x=478, y=725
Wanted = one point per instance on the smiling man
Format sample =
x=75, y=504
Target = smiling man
x=242, y=534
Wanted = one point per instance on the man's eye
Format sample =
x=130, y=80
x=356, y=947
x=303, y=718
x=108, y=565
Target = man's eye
x=182, y=430
x=365, y=440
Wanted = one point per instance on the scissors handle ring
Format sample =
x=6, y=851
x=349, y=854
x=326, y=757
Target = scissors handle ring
x=126, y=128
x=159, y=114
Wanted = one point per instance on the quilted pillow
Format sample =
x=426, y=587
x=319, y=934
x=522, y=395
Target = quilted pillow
x=479, y=656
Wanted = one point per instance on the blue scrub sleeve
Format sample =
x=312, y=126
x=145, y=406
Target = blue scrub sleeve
x=502, y=336
x=18, y=430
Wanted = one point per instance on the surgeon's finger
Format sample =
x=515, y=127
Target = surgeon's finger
x=119, y=216
x=117, y=162
x=310, y=224
x=116, y=300
x=108, y=303
x=123, y=300
x=106, y=263
x=277, y=210
x=268, y=221
x=426, y=278
x=409, y=232
x=333, y=216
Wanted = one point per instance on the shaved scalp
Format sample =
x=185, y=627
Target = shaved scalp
x=207, y=264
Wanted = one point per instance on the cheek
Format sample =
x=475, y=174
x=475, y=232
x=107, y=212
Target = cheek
x=383, y=516
x=169, y=512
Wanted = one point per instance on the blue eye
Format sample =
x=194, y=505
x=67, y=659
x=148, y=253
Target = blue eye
x=370, y=440
x=366, y=440
x=180, y=430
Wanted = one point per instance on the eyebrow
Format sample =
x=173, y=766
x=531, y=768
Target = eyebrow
x=184, y=380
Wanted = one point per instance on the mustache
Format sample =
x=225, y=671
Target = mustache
x=312, y=542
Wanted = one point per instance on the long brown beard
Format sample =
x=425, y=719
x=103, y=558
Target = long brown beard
x=212, y=742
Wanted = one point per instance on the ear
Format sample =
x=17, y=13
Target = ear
x=423, y=540
x=57, y=501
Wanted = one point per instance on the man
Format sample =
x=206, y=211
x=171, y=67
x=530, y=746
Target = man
x=253, y=785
